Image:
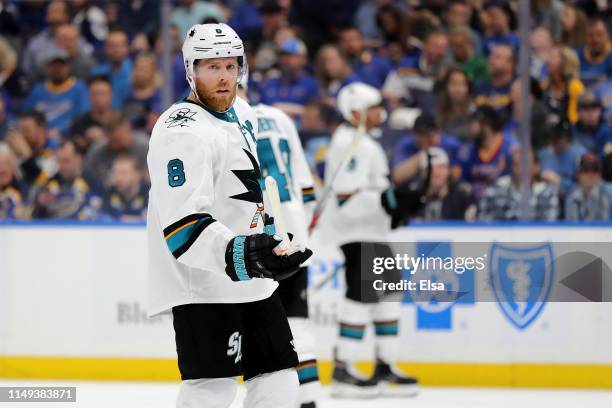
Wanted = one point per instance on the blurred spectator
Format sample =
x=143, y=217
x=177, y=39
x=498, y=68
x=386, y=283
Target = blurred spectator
x=574, y=23
x=455, y=104
x=447, y=199
x=596, y=56
x=603, y=92
x=415, y=76
x=464, y=55
x=65, y=195
x=67, y=38
x=501, y=25
x=538, y=114
x=333, y=72
x=294, y=88
x=11, y=202
x=36, y=53
x=559, y=161
x=563, y=86
x=541, y=43
x=246, y=21
x=591, y=130
x=88, y=128
x=127, y=197
x=317, y=120
x=591, y=200
x=371, y=67
x=118, y=66
x=192, y=12
x=31, y=145
x=140, y=17
x=8, y=60
x=273, y=19
x=502, y=201
x=121, y=140
x=393, y=25
x=458, y=15
x=547, y=14
x=410, y=150
x=91, y=22
x=496, y=91
x=4, y=121
x=489, y=156
x=366, y=18
x=61, y=97
x=144, y=104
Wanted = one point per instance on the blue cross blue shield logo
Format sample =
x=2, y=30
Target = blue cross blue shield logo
x=521, y=279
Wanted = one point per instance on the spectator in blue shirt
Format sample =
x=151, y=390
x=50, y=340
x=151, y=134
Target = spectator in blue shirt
x=333, y=72
x=371, y=67
x=144, y=104
x=559, y=161
x=118, y=66
x=294, y=88
x=501, y=25
x=591, y=200
x=591, y=130
x=62, y=97
x=409, y=150
x=603, y=92
x=596, y=56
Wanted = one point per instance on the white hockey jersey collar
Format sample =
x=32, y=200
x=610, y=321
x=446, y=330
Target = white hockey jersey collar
x=228, y=116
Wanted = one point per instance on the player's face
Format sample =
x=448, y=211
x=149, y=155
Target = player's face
x=216, y=82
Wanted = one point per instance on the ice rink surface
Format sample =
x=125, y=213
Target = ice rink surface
x=162, y=395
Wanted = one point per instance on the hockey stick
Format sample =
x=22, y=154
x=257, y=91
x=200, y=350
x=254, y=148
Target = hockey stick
x=285, y=247
x=318, y=210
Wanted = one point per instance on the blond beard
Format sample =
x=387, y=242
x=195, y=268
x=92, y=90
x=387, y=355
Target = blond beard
x=216, y=102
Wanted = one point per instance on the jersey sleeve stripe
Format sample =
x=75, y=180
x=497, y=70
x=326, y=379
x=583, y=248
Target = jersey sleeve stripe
x=181, y=237
x=308, y=194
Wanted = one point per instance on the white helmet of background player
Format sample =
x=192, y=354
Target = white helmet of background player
x=206, y=41
x=358, y=97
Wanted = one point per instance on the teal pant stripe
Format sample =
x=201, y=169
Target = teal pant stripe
x=387, y=330
x=352, y=333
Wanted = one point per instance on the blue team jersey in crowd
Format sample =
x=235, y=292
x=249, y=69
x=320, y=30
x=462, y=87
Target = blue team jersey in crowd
x=511, y=39
x=564, y=164
x=497, y=97
x=121, y=80
x=603, y=92
x=60, y=104
x=594, y=70
x=406, y=147
x=301, y=90
x=372, y=68
x=593, y=139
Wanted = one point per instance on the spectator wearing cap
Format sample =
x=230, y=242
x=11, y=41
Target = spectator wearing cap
x=559, y=160
x=67, y=37
x=501, y=24
x=333, y=72
x=502, y=200
x=591, y=130
x=88, y=128
x=293, y=88
x=496, y=91
x=465, y=55
x=127, y=197
x=488, y=157
x=35, y=55
x=447, y=198
x=591, y=200
x=410, y=149
x=33, y=148
x=563, y=86
x=11, y=201
x=370, y=66
x=117, y=65
x=416, y=74
x=121, y=139
x=66, y=195
x=191, y=12
x=61, y=97
x=596, y=55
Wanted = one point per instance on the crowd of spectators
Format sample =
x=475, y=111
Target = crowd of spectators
x=81, y=88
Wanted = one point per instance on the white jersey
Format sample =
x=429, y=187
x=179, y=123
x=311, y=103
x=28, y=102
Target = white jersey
x=204, y=191
x=355, y=210
x=281, y=156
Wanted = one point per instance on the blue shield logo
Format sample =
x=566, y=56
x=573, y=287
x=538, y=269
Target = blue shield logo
x=521, y=279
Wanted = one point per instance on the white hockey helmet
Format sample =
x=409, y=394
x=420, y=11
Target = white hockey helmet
x=205, y=41
x=357, y=97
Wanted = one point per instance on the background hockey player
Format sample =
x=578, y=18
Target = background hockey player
x=211, y=264
x=362, y=193
x=281, y=156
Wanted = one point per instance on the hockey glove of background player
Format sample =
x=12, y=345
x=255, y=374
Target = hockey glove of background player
x=252, y=256
x=401, y=205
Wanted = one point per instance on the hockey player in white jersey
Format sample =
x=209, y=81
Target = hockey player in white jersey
x=210, y=263
x=281, y=156
x=358, y=215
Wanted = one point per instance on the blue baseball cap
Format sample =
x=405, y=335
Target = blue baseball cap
x=293, y=46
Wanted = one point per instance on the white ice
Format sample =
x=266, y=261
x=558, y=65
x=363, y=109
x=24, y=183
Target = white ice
x=162, y=395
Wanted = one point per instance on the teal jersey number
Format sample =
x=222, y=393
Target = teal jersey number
x=176, y=173
x=269, y=166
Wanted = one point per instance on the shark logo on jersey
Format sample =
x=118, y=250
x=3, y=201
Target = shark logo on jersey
x=180, y=117
x=250, y=179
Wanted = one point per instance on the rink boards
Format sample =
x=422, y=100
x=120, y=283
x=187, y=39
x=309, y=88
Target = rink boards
x=72, y=305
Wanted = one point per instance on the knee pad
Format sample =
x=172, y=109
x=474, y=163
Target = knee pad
x=209, y=392
x=272, y=390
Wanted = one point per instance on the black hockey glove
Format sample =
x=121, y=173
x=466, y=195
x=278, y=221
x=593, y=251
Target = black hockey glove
x=252, y=256
x=401, y=205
